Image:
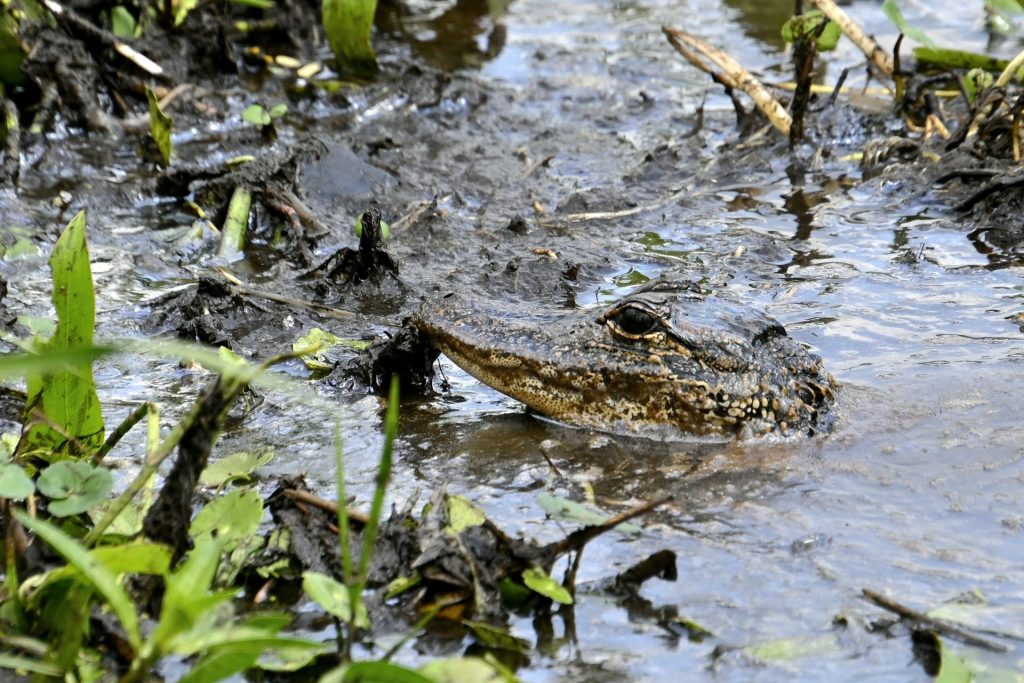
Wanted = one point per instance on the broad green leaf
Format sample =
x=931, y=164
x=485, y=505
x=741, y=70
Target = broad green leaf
x=462, y=514
x=134, y=558
x=23, y=247
x=976, y=81
x=952, y=669
x=892, y=11
x=187, y=595
x=514, y=594
x=256, y=115
x=570, y=511
x=333, y=598
x=375, y=672
x=317, y=341
x=160, y=125
x=357, y=228
x=12, y=53
x=74, y=487
x=127, y=523
x=182, y=8
x=68, y=396
x=237, y=466
x=14, y=483
x=958, y=59
x=807, y=24
x=537, y=580
x=402, y=584
x=347, y=24
x=122, y=23
x=101, y=578
x=229, y=518
x=222, y=663
x=278, y=110
x=497, y=638
x=128, y=558
x=787, y=649
x=464, y=670
x=287, y=657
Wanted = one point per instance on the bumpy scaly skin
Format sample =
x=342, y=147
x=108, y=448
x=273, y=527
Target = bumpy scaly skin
x=664, y=356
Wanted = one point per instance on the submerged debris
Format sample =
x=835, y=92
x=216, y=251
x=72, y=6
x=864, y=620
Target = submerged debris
x=406, y=353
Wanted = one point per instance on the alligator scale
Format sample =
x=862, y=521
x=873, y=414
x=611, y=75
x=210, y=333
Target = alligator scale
x=664, y=356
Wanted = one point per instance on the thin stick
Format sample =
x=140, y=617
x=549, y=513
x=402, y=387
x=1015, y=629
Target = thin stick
x=577, y=539
x=644, y=208
x=104, y=38
x=243, y=290
x=940, y=625
x=743, y=79
x=852, y=30
x=115, y=436
x=1010, y=71
x=319, y=503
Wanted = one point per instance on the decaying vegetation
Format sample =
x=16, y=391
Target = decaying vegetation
x=118, y=584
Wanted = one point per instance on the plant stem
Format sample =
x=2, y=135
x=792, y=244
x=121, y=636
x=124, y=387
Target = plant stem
x=122, y=429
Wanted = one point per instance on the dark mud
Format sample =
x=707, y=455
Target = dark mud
x=549, y=154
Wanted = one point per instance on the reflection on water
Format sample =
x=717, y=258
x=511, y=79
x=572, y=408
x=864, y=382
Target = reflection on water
x=763, y=19
x=449, y=35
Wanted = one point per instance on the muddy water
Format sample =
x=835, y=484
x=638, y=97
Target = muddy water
x=918, y=491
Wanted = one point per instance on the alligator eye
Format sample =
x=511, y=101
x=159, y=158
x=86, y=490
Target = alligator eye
x=635, y=322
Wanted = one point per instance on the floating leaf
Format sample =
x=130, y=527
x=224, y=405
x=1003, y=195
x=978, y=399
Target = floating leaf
x=806, y=25
x=159, y=127
x=333, y=597
x=256, y=115
x=374, y=672
x=237, y=466
x=68, y=396
x=570, y=511
x=892, y=11
x=537, y=580
x=694, y=631
x=347, y=24
x=229, y=518
x=496, y=638
x=23, y=247
x=74, y=487
x=464, y=670
x=788, y=649
x=14, y=483
x=122, y=23
x=318, y=342
x=462, y=514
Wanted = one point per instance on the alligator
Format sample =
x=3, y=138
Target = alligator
x=666, y=356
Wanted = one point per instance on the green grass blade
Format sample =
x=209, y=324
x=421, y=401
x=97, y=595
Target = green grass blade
x=93, y=571
x=383, y=477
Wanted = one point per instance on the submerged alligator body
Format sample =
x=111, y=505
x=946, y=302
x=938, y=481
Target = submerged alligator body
x=666, y=356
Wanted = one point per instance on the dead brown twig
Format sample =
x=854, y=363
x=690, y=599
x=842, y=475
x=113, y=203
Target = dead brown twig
x=732, y=75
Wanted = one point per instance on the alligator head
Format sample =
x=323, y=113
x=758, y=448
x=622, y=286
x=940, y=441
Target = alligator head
x=664, y=356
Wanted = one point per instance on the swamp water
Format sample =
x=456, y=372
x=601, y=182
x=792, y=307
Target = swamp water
x=918, y=493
